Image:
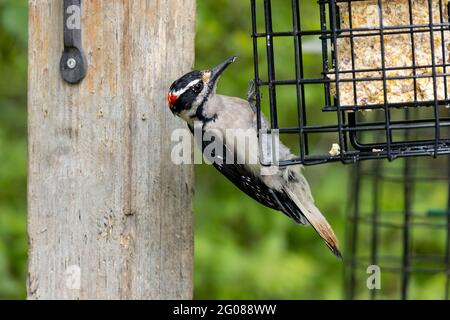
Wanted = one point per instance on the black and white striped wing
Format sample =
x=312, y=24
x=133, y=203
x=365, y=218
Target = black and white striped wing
x=254, y=187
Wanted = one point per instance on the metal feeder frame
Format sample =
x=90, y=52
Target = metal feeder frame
x=369, y=247
x=349, y=126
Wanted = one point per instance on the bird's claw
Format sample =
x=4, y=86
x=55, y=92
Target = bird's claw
x=251, y=92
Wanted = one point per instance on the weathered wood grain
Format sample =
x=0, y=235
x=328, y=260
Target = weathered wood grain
x=104, y=198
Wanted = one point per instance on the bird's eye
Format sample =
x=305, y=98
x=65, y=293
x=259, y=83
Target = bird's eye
x=198, y=87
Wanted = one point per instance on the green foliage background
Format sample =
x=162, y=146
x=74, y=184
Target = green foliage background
x=242, y=249
x=13, y=87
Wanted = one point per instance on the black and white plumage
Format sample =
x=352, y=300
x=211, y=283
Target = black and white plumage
x=193, y=98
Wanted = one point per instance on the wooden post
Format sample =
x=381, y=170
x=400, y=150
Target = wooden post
x=109, y=215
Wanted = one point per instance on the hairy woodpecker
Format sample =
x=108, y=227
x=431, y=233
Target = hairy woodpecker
x=193, y=98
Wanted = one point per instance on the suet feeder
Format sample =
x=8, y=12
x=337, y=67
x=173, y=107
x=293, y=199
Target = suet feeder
x=378, y=58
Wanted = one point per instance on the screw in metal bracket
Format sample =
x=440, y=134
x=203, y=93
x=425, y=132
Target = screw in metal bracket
x=71, y=63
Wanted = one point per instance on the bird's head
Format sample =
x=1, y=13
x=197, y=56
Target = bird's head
x=191, y=91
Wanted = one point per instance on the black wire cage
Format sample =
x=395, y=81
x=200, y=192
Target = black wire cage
x=407, y=239
x=375, y=60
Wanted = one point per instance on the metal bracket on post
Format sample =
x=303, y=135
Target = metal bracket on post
x=73, y=64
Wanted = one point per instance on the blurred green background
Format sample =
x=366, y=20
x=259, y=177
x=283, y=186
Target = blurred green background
x=13, y=149
x=242, y=249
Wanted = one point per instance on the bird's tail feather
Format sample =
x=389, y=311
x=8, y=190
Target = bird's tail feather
x=317, y=221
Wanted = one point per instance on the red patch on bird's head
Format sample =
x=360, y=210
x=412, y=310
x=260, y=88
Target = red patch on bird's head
x=172, y=99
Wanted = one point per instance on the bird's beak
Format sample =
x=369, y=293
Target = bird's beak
x=217, y=71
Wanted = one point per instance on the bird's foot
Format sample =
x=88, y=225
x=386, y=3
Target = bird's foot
x=251, y=92
x=252, y=95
